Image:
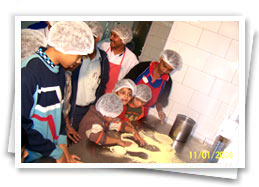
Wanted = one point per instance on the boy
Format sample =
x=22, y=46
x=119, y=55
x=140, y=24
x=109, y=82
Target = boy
x=43, y=81
x=99, y=119
x=135, y=108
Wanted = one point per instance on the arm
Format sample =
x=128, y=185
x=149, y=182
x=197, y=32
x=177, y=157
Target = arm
x=117, y=141
x=162, y=100
x=130, y=128
x=71, y=133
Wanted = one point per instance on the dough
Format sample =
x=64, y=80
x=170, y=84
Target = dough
x=162, y=154
x=163, y=138
x=118, y=150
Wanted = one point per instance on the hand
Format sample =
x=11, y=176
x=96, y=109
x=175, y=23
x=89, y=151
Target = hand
x=69, y=158
x=74, y=159
x=62, y=159
x=73, y=135
x=162, y=116
x=138, y=138
x=124, y=143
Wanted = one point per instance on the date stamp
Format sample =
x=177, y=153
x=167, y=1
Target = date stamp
x=207, y=155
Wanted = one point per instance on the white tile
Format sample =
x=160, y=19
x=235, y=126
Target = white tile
x=198, y=80
x=181, y=94
x=194, y=57
x=233, y=51
x=173, y=45
x=169, y=107
x=180, y=109
x=179, y=75
x=207, y=127
x=214, y=43
x=209, y=25
x=230, y=29
x=225, y=111
x=225, y=92
x=235, y=80
x=221, y=68
x=204, y=104
x=185, y=33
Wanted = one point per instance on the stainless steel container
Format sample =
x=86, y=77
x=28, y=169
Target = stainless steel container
x=182, y=128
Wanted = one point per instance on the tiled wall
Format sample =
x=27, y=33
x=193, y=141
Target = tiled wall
x=206, y=88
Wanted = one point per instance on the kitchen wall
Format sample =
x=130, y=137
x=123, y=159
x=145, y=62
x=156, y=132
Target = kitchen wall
x=206, y=88
x=156, y=40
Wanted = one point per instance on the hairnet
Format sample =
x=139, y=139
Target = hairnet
x=96, y=28
x=125, y=83
x=143, y=92
x=124, y=32
x=31, y=40
x=109, y=105
x=71, y=37
x=172, y=58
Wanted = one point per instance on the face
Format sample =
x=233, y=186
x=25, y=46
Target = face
x=125, y=94
x=164, y=68
x=115, y=40
x=109, y=119
x=70, y=61
x=137, y=102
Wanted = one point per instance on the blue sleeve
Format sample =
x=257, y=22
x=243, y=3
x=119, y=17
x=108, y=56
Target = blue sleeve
x=36, y=141
x=38, y=25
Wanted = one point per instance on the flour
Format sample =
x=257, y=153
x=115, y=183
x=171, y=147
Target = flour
x=154, y=152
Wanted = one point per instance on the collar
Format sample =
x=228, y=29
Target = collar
x=122, y=51
x=45, y=57
x=152, y=67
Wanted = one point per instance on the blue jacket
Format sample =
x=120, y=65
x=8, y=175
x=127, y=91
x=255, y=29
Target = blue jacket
x=41, y=107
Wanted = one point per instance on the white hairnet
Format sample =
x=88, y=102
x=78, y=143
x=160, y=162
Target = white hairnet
x=143, y=92
x=109, y=105
x=96, y=28
x=31, y=40
x=125, y=83
x=172, y=58
x=124, y=32
x=71, y=37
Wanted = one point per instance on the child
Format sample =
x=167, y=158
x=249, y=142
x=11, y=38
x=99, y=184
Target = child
x=97, y=121
x=42, y=87
x=126, y=89
x=135, y=108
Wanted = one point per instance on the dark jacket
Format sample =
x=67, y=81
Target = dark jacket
x=139, y=69
x=101, y=88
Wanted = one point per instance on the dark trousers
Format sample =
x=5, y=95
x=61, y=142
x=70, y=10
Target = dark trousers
x=78, y=116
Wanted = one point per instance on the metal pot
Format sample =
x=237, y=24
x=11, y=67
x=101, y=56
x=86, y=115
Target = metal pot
x=182, y=128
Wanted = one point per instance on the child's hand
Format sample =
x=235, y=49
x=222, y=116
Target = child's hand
x=138, y=138
x=124, y=143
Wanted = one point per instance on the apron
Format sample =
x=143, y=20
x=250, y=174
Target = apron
x=155, y=92
x=113, y=74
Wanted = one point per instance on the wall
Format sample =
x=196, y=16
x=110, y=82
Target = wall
x=206, y=88
x=156, y=40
